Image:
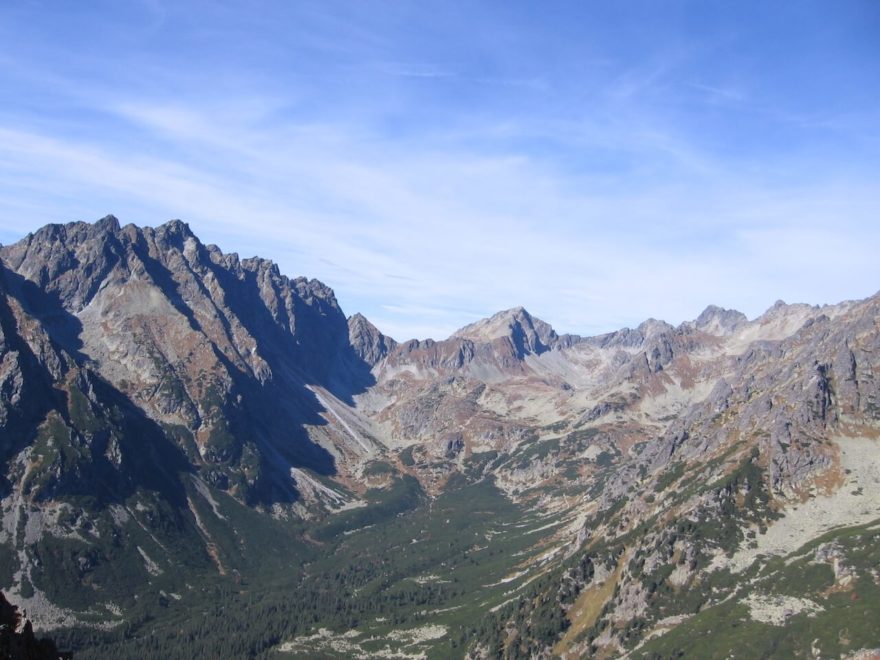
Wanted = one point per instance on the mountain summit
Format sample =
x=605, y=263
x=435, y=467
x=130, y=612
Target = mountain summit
x=528, y=334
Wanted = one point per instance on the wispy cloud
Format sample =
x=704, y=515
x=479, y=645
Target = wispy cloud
x=718, y=94
x=409, y=70
x=426, y=207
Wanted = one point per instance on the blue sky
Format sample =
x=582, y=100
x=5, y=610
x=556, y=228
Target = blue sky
x=434, y=162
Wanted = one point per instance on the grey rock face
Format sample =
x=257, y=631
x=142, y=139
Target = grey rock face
x=368, y=343
x=196, y=338
x=718, y=321
x=224, y=347
x=526, y=334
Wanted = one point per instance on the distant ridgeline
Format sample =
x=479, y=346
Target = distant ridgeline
x=203, y=457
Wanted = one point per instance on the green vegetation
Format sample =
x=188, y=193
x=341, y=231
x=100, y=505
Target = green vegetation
x=670, y=475
x=439, y=562
x=404, y=495
x=378, y=469
x=81, y=414
x=241, y=583
x=406, y=456
x=846, y=622
x=533, y=449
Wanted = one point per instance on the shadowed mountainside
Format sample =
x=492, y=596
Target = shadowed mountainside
x=175, y=416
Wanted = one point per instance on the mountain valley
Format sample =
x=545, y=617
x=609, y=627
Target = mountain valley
x=206, y=458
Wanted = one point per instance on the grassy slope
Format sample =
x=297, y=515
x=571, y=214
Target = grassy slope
x=403, y=562
x=848, y=622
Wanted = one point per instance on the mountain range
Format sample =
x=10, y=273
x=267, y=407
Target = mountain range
x=205, y=457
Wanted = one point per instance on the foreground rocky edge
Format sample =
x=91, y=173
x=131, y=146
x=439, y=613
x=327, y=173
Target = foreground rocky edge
x=172, y=417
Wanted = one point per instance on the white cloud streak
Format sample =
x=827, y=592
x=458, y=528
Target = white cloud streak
x=592, y=217
x=424, y=242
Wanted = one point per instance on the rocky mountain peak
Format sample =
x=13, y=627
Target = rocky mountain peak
x=367, y=341
x=653, y=327
x=716, y=320
x=72, y=233
x=782, y=309
x=194, y=338
x=109, y=223
x=782, y=319
x=175, y=227
x=174, y=235
x=528, y=333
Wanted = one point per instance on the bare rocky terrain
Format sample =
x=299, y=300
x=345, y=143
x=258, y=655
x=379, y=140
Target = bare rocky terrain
x=173, y=417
